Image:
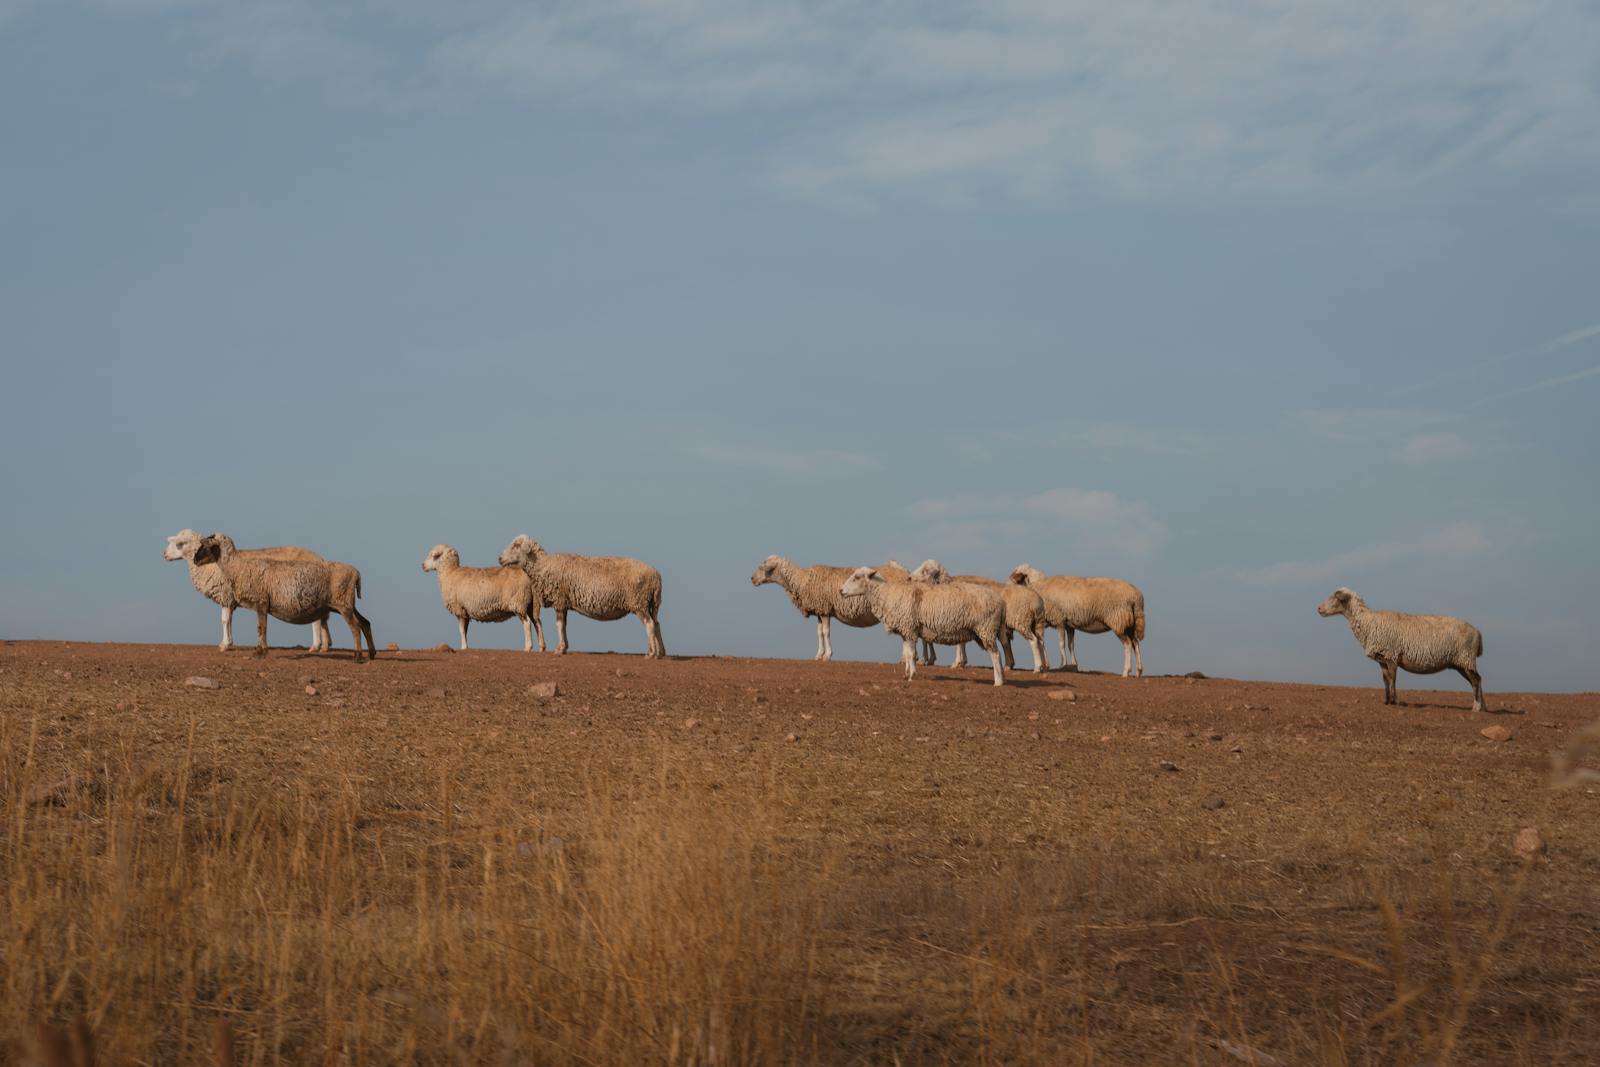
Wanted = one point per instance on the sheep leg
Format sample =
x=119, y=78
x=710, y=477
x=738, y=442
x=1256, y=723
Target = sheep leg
x=527, y=634
x=1390, y=691
x=561, y=631
x=1138, y=657
x=651, y=650
x=991, y=645
x=655, y=631
x=961, y=655
x=1476, y=681
x=1061, y=636
x=1072, y=646
x=1036, y=644
x=261, y=632
x=462, y=621
x=929, y=656
x=1127, y=655
x=1005, y=643
x=350, y=617
x=908, y=657
x=366, y=628
x=538, y=627
x=822, y=638
x=321, y=639
x=227, y=629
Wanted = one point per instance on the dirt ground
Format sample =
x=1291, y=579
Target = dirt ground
x=1189, y=870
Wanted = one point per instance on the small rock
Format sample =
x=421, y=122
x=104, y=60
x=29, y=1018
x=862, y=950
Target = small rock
x=1033, y=735
x=311, y=690
x=544, y=690
x=1105, y=737
x=1062, y=694
x=1213, y=736
x=437, y=692
x=1236, y=748
x=690, y=724
x=200, y=681
x=1528, y=842
x=306, y=679
x=1549, y=725
x=1496, y=733
x=1213, y=803
x=392, y=647
x=441, y=647
x=791, y=737
x=1033, y=716
x=758, y=699
x=1167, y=765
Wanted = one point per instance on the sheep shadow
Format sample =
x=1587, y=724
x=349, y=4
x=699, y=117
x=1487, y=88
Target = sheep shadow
x=1459, y=707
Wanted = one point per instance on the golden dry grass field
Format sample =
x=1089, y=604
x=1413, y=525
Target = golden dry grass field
x=723, y=861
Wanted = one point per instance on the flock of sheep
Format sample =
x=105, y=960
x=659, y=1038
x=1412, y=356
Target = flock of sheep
x=927, y=605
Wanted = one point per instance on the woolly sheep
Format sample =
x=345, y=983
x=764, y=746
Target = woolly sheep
x=208, y=580
x=815, y=592
x=1421, y=644
x=1024, y=613
x=485, y=594
x=892, y=571
x=295, y=591
x=948, y=614
x=1093, y=605
x=601, y=587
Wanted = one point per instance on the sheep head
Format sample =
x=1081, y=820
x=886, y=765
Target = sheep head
x=931, y=571
x=522, y=550
x=437, y=555
x=767, y=572
x=181, y=545
x=1339, y=603
x=1023, y=574
x=860, y=581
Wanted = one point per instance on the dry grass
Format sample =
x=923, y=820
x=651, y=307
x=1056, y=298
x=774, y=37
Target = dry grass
x=561, y=887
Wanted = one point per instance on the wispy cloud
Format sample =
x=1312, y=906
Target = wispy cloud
x=1456, y=541
x=1573, y=337
x=1414, y=435
x=1094, y=519
x=1032, y=97
x=793, y=462
x=1548, y=383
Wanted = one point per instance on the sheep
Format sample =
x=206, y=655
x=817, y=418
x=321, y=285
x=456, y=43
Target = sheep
x=1024, y=612
x=815, y=591
x=1422, y=644
x=892, y=571
x=485, y=594
x=295, y=591
x=949, y=614
x=207, y=578
x=1093, y=605
x=601, y=587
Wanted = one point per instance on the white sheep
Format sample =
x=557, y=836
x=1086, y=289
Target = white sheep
x=1421, y=644
x=295, y=591
x=1093, y=605
x=207, y=578
x=601, y=587
x=485, y=594
x=948, y=614
x=892, y=571
x=1024, y=614
x=815, y=591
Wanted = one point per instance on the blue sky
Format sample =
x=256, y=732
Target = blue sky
x=1239, y=301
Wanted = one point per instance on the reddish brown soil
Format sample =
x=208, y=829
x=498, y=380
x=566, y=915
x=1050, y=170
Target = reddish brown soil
x=972, y=831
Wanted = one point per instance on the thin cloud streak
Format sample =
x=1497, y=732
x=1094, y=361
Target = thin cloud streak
x=1097, y=520
x=1548, y=383
x=1457, y=541
x=1573, y=337
x=792, y=462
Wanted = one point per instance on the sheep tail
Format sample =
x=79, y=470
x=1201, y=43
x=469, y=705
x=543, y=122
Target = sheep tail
x=1478, y=643
x=1138, y=618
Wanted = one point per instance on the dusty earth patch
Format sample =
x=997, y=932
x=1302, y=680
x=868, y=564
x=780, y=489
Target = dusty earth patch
x=1158, y=870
